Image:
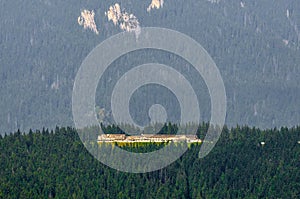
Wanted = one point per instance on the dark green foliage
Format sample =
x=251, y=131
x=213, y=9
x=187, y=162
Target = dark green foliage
x=112, y=129
x=55, y=164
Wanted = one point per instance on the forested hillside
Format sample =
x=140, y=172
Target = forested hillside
x=55, y=164
x=255, y=44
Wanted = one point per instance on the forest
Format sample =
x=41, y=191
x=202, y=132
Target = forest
x=55, y=164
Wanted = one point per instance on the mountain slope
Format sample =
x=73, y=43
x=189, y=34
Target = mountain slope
x=255, y=46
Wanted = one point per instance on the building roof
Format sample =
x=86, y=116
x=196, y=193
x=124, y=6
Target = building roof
x=146, y=137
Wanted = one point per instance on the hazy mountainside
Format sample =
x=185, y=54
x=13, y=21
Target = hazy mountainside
x=56, y=165
x=256, y=46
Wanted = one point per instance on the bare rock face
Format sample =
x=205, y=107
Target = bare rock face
x=155, y=4
x=126, y=21
x=87, y=20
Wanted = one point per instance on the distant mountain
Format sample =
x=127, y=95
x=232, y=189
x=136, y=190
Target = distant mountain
x=256, y=46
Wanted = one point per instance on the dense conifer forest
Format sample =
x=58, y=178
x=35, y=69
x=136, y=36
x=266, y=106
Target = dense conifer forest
x=55, y=164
